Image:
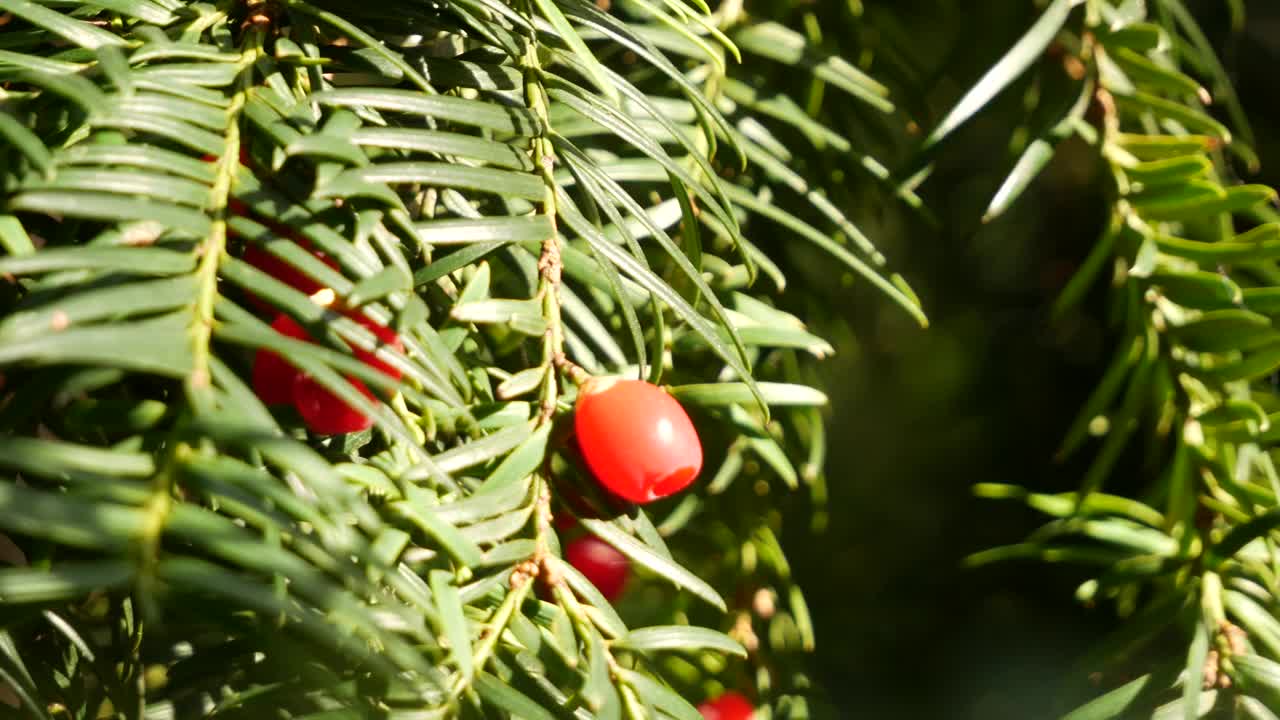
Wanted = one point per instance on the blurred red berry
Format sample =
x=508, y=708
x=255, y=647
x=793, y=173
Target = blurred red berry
x=273, y=377
x=324, y=412
x=269, y=263
x=283, y=271
x=636, y=439
x=729, y=706
x=277, y=382
x=386, y=336
x=244, y=157
x=601, y=563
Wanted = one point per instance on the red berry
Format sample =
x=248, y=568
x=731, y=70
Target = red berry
x=265, y=261
x=729, y=706
x=601, y=563
x=326, y=413
x=244, y=157
x=386, y=336
x=283, y=271
x=277, y=382
x=636, y=439
x=273, y=377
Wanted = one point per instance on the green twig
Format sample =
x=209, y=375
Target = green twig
x=215, y=245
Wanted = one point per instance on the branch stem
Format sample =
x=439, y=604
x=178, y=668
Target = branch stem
x=550, y=265
x=494, y=629
x=215, y=245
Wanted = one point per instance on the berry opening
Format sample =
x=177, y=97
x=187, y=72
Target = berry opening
x=674, y=482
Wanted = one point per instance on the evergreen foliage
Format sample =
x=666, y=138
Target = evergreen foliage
x=530, y=191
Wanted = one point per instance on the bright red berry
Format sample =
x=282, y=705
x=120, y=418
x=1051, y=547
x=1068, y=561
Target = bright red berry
x=273, y=378
x=636, y=439
x=601, y=563
x=729, y=706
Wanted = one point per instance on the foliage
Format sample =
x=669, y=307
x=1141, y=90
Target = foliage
x=525, y=191
x=531, y=190
x=1190, y=560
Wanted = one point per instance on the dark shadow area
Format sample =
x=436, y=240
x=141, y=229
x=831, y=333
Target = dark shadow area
x=985, y=395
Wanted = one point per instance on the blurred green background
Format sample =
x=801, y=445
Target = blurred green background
x=985, y=395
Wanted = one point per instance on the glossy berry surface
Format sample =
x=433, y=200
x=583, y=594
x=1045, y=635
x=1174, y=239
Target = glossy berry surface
x=636, y=439
x=273, y=378
x=601, y=563
x=729, y=706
